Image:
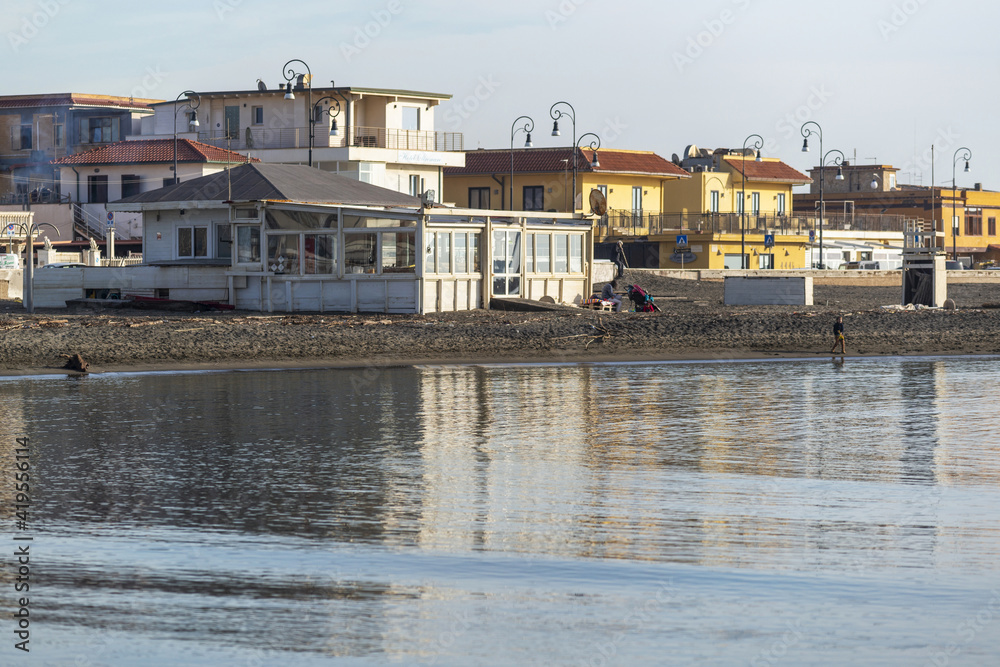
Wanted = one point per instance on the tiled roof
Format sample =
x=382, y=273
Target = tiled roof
x=555, y=160
x=272, y=182
x=147, y=151
x=774, y=171
x=73, y=99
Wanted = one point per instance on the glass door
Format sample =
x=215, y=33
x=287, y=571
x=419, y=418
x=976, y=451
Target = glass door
x=506, y=262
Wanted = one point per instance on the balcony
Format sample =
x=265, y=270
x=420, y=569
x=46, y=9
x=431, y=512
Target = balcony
x=639, y=223
x=259, y=138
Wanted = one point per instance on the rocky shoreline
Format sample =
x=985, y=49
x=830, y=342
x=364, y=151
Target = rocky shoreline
x=694, y=324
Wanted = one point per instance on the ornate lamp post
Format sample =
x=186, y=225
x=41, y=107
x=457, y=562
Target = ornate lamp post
x=556, y=114
x=756, y=145
x=528, y=128
x=192, y=124
x=806, y=132
x=319, y=111
x=289, y=73
x=31, y=229
x=966, y=155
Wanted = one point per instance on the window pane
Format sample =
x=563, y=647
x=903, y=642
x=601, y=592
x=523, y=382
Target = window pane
x=513, y=252
x=356, y=222
x=319, y=255
x=247, y=245
x=399, y=252
x=278, y=219
x=562, y=253
x=429, y=263
x=500, y=254
x=529, y=254
x=576, y=254
x=201, y=241
x=444, y=252
x=474, y=252
x=184, y=242
x=542, y=253
x=283, y=253
x=359, y=253
x=461, y=263
x=223, y=242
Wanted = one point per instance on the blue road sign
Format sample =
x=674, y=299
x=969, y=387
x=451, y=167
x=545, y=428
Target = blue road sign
x=812, y=236
x=682, y=239
x=768, y=240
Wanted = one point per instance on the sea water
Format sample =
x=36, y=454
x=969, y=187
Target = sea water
x=758, y=513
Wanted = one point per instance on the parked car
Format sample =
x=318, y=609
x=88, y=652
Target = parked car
x=64, y=265
x=952, y=265
x=866, y=265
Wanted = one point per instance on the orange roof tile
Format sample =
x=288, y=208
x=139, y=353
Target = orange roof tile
x=767, y=170
x=146, y=151
x=555, y=160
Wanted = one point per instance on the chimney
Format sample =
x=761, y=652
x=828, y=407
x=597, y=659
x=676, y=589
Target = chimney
x=978, y=187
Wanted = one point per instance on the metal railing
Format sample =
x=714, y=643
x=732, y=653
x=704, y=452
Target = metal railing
x=638, y=223
x=89, y=224
x=259, y=138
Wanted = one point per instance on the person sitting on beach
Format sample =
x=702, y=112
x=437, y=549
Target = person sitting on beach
x=838, y=336
x=608, y=294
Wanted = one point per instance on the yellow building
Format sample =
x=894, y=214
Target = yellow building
x=540, y=179
x=735, y=211
x=965, y=219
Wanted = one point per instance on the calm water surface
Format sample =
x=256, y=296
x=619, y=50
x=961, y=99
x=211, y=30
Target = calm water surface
x=759, y=513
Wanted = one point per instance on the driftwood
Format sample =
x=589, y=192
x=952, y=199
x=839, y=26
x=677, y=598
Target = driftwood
x=75, y=362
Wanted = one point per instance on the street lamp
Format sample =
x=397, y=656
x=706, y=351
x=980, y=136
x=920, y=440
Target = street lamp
x=319, y=111
x=806, y=132
x=594, y=145
x=967, y=155
x=757, y=144
x=290, y=74
x=528, y=128
x=31, y=229
x=556, y=114
x=192, y=123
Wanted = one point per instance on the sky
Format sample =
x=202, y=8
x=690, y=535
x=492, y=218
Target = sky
x=884, y=80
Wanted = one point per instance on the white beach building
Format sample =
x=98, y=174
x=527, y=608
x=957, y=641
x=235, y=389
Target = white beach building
x=274, y=237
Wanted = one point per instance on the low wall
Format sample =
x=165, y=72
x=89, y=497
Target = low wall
x=769, y=291
x=823, y=277
x=54, y=287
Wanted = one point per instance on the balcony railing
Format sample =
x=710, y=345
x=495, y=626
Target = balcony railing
x=260, y=138
x=639, y=223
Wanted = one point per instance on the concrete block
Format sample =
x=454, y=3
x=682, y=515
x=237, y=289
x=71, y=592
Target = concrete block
x=756, y=291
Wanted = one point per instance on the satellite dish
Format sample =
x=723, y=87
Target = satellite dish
x=261, y=85
x=598, y=202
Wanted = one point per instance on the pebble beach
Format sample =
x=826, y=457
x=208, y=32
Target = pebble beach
x=693, y=324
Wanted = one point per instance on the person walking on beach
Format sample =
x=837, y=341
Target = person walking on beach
x=838, y=336
x=608, y=294
x=620, y=259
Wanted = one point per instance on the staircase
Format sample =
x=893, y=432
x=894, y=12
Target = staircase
x=88, y=225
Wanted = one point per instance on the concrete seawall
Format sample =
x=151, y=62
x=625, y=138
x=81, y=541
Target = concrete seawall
x=832, y=277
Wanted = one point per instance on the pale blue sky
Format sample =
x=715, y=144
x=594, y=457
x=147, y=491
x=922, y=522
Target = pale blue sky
x=884, y=78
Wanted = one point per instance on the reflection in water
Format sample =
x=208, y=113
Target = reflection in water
x=380, y=506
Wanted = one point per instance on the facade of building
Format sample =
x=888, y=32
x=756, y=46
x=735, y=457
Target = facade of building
x=125, y=168
x=540, y=179
x=377, y=136
x=869, y=196
x=287, y=238
x=734, y=211
x=36, y=129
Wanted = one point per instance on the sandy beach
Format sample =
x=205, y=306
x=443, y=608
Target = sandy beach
x=693, y=324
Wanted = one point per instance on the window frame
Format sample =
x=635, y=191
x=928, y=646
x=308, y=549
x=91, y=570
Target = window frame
x=194, y=233
x=537, y=193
